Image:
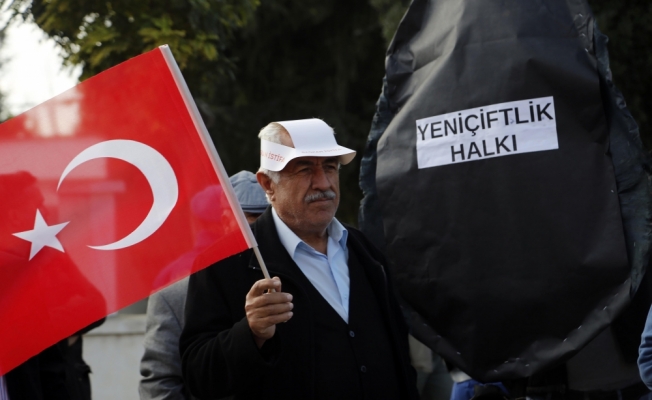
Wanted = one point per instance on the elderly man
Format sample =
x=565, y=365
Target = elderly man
x=161, y=362
x=327, y=326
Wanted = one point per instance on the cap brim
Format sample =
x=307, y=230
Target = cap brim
x=345, y=155
x=275, y=157
x=348, y=157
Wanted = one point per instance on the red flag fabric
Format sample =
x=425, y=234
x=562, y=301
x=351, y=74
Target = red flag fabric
x=108, y=192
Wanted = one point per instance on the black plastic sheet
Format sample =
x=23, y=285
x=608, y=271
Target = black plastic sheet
x=512, y=262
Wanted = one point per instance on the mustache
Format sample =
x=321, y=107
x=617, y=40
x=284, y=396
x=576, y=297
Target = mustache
x=320, y=195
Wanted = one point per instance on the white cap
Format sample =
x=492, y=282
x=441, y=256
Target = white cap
x=311, y=138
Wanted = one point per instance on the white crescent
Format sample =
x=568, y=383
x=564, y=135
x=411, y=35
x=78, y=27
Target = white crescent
x=157, y=171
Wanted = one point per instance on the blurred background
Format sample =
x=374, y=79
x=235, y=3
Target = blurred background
x=247, y=63
x=250, y=62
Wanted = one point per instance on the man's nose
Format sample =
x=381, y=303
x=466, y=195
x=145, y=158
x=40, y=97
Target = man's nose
x=320, y=180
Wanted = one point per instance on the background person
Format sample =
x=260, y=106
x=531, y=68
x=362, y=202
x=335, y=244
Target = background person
x=160, y=366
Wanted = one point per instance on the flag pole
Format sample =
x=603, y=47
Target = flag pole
x=213, y=156
x=261, y=262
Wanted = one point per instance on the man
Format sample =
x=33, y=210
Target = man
x=161, y=362
x=327, y=326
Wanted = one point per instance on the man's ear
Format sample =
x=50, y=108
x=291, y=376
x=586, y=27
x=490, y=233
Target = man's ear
x=265, y=182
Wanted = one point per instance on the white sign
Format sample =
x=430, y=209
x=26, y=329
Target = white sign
x=492, y=131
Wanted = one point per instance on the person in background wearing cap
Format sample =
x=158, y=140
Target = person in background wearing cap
x=328, y=325
x=160, y=366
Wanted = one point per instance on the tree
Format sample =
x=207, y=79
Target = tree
x=4, y=113
x=248, y=64
x=289, y=59
x=302, y=59
x=390, y=13
x=628, y=24
x=98, y=34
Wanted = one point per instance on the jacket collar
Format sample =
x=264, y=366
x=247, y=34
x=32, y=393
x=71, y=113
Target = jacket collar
x=274, y=254
x=277, y=258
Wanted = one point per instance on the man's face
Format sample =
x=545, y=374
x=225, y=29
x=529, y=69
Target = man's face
x=307, y=193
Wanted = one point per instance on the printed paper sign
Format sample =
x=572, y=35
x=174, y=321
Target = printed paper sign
x=497, y=130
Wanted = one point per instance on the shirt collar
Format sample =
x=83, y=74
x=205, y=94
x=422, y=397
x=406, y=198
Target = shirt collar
x=290, y=240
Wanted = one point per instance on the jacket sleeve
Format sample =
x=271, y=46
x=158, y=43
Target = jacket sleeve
x=219, y=355
x=160, y=366
x=645, y=353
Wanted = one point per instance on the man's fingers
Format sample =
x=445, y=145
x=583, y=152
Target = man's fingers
x=270, y=309
x=261, y=307
x=267, y=306
x=277, y=319
x=264, y=285
x=264, y=327
x=276, y=289
x=268, y=298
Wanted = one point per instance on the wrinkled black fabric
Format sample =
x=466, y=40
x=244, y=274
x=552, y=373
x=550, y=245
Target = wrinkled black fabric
x=631, y=166
x=370, y=218
x=511, y=264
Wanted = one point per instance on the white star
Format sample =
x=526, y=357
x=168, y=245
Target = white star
x=42, y=235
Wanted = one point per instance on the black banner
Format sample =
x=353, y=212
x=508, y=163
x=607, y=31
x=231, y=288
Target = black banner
x=510, y=180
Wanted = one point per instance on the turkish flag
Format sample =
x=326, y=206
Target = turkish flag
x=108, y=192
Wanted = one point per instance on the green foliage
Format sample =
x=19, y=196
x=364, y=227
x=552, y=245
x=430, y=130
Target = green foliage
x=289, y=59
x=628, y=24
x=248, y=64
x=303, y=59
x=99, y=34
x=4, y=113
x=390, y=13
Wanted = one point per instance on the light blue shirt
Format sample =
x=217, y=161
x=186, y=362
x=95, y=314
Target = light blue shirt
x=328, y=273
x=3, y=389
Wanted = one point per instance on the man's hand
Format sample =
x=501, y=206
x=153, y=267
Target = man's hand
x=267, y=306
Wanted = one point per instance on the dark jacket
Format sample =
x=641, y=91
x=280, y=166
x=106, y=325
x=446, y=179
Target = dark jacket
x=219, y=356
x=57, y=373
